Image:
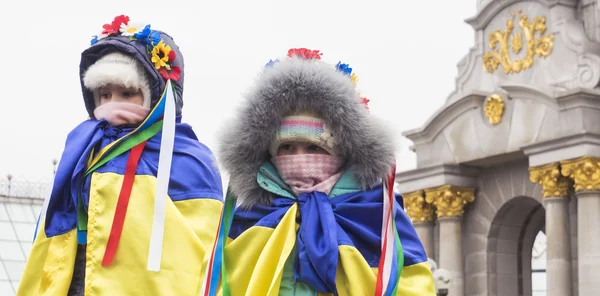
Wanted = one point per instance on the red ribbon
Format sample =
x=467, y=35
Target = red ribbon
x=122, y=203
x=390, y=186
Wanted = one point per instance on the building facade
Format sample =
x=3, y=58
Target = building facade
x=18, y=217
x=515, y=151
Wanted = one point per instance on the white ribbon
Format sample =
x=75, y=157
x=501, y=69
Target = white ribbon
x=162, y=181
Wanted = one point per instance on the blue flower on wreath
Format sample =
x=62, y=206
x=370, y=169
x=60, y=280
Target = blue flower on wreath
x=271, y=63
x=143, y=34
x=344, y=68
x=149, y=37
x=94, y=40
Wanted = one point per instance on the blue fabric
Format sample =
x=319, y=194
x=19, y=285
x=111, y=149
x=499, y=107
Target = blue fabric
x=193, y=171
x=316, y=245
x=352, y=219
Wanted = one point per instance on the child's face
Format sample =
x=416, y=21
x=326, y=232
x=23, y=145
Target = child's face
x=295, y=148
x=117, y=93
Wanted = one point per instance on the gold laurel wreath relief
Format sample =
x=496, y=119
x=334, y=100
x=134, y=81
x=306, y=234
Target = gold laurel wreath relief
x=500, y=42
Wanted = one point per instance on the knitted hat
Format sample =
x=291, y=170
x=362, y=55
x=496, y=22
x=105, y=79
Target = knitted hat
x=304, y=126
x=118, y=69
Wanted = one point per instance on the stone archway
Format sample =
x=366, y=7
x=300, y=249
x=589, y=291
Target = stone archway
x=510, y=241
x=500, y=227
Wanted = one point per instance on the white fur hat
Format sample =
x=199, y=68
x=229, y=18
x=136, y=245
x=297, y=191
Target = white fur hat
x=120, y=69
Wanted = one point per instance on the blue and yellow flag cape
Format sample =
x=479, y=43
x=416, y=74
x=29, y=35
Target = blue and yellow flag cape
x=320, y=245
x=192, y=217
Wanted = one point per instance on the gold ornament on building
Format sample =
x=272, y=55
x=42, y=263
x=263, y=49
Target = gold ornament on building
x=501, y=40
x=584, y=171
x=449, y=201
x=553, y=183
x=416, y=207
x=494, y=108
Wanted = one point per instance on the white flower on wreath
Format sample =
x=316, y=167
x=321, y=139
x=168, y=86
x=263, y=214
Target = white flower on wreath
x=327, y=137
x=131, y=29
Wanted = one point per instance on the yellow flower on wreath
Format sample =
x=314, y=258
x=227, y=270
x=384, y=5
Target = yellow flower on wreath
x=160, y=55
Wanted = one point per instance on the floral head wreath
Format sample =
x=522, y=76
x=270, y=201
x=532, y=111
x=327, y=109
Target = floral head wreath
x=309, y=54
x=160, y=53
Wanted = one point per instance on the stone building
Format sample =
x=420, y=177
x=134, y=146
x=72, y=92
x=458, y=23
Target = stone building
x=515, y=150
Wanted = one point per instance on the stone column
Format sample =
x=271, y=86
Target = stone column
x=585, y=172
x=421, y=214
x=450, y=202
x=555, y=190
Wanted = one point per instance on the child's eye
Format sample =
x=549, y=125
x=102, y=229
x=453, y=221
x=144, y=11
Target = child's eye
x=104, y=96
x=285, y=147
x=314, y=148
x=128, y=94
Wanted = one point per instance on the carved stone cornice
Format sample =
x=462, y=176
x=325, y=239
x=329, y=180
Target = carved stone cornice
x=553, y=183
x=449, y=201
x=584, y=171
x=416, y=208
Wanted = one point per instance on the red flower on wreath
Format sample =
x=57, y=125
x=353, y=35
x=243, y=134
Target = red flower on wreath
x=305, y=53
x=366, y=101
x=167, y=72
x=174, y=74
x=115, y=26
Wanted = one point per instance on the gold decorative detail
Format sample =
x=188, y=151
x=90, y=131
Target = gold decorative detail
x=584, y=171
x=516, y=41
x=449, y=201
x=416, y=207
x=542, y=46
x=494, y=108
x=553, y=183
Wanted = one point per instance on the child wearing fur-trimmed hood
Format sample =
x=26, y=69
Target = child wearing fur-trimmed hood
x=311, y=170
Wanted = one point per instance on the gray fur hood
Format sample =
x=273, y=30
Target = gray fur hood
x=297, y=83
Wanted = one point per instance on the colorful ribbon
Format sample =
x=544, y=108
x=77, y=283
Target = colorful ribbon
x=122, y=203
x=215, y=266
x=163, y=177
x=392, y=259
x=161, y=118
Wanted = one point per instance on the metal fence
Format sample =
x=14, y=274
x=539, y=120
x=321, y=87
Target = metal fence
x=28, y=188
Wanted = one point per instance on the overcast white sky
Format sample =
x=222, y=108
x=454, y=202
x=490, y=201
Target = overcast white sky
x=404, y=52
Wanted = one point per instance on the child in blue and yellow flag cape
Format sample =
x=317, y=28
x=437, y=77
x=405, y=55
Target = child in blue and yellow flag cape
x=137, y=198
x=312, y=173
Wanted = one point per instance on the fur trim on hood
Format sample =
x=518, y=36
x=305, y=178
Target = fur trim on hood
x=119, y=69
x=302, y=84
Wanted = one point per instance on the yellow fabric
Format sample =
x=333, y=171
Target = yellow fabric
x=254, y=261
x=190, y=228
x=254, y=264
x=355, y=277
x=416, y=280
x=41, y=278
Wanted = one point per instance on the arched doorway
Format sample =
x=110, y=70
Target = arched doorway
x=510, y=241
x=538, y=266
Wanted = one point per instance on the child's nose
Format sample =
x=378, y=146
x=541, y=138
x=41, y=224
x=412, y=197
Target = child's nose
x=300, y=150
